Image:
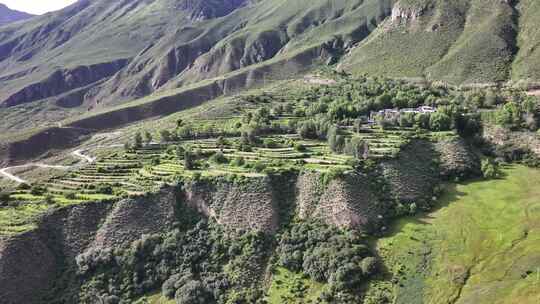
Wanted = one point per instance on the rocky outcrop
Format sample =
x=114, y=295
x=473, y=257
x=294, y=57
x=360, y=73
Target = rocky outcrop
x=405, y=13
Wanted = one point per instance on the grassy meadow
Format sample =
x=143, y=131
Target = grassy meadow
x=480, y=246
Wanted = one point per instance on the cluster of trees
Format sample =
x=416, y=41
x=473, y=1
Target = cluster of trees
x=4, y=197
x=520, y=113
x=198, y=263
x=329, y=255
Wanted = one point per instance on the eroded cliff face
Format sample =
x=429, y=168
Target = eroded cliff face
x=32, y=263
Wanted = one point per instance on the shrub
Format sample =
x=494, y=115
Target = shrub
x=270, y=143
x=37, y=190
x=71, y=195
x=155, y=161
x=138, y=140
x=369, y=266
x=239, y=162
x=189, y=160
x=440, y=121
x=104, y=189
x=49, y=199
x=490, y=169
x=299, y=147
x=24, y=186
x=259, y=167
x=219, y=158
x=193, y=292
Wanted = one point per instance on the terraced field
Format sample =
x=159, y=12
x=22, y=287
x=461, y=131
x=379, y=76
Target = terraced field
x=481, y=246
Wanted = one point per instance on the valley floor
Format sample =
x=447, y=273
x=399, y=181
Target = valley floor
x=482, y=245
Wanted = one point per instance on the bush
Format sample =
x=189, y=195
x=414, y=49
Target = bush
x=189, y=160
x=490, y=169
x=49, y=199
x=71, y=195
x=440, y=121
x=24, y=186
x=193, y=292
x=299, y=147
x=239, y=162
x=270, y=143
x=369, y=266
x=37, y=190
x=104, y=189
x=219, y=158
x=259, y=167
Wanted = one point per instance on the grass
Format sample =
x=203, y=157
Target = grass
x=481, y=246
x=293, y=288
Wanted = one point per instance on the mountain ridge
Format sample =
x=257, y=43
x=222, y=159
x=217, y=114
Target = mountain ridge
x=8, y=15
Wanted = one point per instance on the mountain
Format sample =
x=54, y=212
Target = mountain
x=8, y=15
x=102, y=64
x=465, y=41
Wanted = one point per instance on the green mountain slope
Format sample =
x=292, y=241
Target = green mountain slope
x=465, y=41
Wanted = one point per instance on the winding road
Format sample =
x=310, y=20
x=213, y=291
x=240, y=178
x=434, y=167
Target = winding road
x=79, y=153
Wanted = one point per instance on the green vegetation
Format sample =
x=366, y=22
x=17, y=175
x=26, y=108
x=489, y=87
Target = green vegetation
x=483, y=236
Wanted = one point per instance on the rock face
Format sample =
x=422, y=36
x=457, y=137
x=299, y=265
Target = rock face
x=403, y=13
x=8, y=15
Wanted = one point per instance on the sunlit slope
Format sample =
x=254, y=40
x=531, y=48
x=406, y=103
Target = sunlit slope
x=481, y=246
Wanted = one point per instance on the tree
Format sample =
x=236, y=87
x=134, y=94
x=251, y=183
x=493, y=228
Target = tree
x=509, y=115
x=490, y=169
x=189, y=160
x=219, y=158
x=165, y=135
x=357, y=148
x=440, y=121
x=138, y=140
x=147, y=137
x=4, y=198
x=406, y=120
x=180, y=152
x=308, y=130
x=193, y=292
x=384, y=101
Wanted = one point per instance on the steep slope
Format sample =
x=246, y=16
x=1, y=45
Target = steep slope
x=8, y=15
x=526, y=64
x=465, y=41
x=96, y=55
